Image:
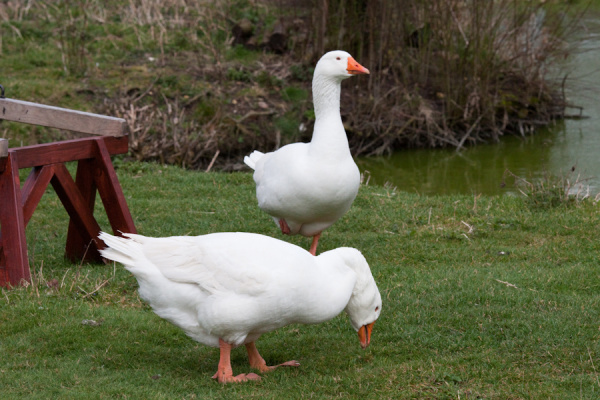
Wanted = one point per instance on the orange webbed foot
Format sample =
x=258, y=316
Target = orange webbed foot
x=268, y=368
x=292, y=363
x=224, y=372
x=256, y=360
x=229, y=378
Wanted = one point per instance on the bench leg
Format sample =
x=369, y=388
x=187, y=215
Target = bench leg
x=14, y=265
x=98, y=174
x=80, y=246
x=111, y=193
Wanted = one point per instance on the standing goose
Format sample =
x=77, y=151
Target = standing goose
x=226, y=289
x=306, y=187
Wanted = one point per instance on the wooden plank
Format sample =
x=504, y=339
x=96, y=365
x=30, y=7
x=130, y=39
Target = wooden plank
x=61, y=118
x=111, y=193
x=3, y=148
x=76, y=206
x=4, y=279
x=68, y=150
x=15, y=265
x=3, y=154
x=78, y=246
x=34, y=188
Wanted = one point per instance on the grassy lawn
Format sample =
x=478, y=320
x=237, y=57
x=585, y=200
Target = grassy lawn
x=484, y=298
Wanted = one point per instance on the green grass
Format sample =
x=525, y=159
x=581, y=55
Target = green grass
x=484, y=298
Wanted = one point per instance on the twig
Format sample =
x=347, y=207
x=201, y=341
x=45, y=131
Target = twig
x=460, y=29
x=95, y=290
x=468, y=226
x=62, y=282
x=38, y=278
x=466, y=135
x=213, y=160
x=146, y=91
x=251, y=114
x=593, y=366
x=507, y=283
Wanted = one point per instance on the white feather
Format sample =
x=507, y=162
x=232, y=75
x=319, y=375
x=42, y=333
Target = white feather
x=253, y=158
x=236, y=286
x=312, y=185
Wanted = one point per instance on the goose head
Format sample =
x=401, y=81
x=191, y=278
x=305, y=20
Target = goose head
x=339, y=65
x=363, y=309
x=364, y=305
x=330, y=71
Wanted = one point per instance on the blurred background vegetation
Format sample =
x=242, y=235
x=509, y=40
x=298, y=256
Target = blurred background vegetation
x=202, y=83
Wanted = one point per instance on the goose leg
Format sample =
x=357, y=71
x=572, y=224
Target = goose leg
x=315, y=242
x=285, y=228
x=225, y=373
x=256, y=361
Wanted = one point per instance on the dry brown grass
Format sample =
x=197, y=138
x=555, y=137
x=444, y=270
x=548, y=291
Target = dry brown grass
x=448, y=72
x=444, y=72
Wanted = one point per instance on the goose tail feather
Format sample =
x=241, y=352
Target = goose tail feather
x=124, y=250
x=253, y=158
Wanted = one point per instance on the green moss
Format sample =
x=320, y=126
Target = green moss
x=294, y=94
x=239, y=74
x=288, y=125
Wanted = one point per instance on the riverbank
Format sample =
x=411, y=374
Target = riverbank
x=483, y=297
x=193, y=98
x=564, y=151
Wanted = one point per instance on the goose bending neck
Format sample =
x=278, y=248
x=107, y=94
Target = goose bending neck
x=329, y=134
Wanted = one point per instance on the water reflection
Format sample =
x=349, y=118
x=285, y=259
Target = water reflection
x=481, y=169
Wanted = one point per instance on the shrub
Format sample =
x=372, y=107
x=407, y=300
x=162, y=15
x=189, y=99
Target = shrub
x=447, y=72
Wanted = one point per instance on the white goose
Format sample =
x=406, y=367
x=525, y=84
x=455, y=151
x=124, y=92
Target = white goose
x=306, y=187
x=226, y=289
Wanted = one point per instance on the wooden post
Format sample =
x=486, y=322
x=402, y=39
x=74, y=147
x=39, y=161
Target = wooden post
x=110, y=191
x=81, y=246
x=94, y=173
x=34, y=188
x=14, y=266
x=98, y=174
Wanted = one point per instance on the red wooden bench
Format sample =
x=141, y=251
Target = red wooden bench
x=95, y=173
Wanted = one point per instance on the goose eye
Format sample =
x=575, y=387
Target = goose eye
x=338, y=58
x=377, y=308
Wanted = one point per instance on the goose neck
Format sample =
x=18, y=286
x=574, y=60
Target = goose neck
x=326, y=96
x=329, y=139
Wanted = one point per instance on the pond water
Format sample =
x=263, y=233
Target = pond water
x=481, y=169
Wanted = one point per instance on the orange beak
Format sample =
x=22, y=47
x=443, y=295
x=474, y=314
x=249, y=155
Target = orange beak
x=354, y=68
x=364, y=334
